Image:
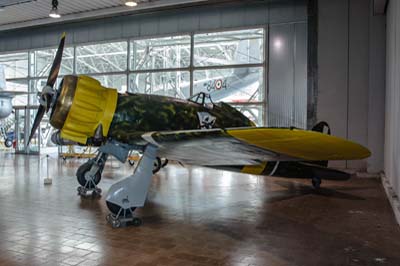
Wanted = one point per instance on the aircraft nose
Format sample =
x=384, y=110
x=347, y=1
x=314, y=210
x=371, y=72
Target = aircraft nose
x=5, y=107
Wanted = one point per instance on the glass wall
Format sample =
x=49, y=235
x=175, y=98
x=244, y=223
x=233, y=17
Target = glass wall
x=160, y=53
x=16, y=65
x=228, y=65
x=229, y=48
x=42, y=60
x=101, y=58
x=16, y=72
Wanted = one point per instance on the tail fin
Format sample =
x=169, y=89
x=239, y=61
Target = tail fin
x=322, y=127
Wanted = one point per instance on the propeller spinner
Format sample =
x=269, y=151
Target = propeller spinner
x=48, y=92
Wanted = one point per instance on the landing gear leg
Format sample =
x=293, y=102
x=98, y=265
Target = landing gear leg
x=126, y=195
x=316, y=182
x=89, y=175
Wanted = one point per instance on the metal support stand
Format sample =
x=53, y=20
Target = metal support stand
x=89, y=192
x=47, y=180
x=128, y=194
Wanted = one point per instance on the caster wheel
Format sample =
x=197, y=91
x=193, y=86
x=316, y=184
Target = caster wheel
x=316, y=182
x=96, y=194
x=81, y=191
x=116, y=223
x=136, y=222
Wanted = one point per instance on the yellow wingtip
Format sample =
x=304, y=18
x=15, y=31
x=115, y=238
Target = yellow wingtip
x=302, y=144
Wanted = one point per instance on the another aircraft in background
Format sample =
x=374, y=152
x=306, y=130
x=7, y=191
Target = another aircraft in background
x=6, y=107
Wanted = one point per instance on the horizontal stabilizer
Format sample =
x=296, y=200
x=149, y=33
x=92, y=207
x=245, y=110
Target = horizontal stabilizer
x=308, y=170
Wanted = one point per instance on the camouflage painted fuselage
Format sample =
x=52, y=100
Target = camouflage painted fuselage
x=137, y=114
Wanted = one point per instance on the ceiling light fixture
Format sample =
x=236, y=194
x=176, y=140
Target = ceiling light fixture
x=130, y=3
x=54, y=10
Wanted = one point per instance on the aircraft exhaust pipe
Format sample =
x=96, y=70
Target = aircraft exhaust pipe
x=324, y=128
x=58, y=140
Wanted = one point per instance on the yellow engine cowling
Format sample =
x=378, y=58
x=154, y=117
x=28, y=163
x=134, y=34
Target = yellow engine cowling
x=82, y=106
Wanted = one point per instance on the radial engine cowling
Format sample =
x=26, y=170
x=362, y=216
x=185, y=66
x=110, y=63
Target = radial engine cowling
x=83, y=109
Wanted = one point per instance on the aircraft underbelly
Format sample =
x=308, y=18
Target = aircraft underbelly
x=221, y=151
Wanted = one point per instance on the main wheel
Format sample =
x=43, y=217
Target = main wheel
x=8, y=143
x=157, y=165
x=80, y=174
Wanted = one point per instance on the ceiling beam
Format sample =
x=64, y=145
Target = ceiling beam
x=107, y=12
x=5, y=3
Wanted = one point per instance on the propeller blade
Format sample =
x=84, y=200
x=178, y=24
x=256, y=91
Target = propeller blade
x=48, y=92
x=36, y=123
x=55, y=68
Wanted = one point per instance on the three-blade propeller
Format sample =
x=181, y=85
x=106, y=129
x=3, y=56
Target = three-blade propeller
x=48, y=93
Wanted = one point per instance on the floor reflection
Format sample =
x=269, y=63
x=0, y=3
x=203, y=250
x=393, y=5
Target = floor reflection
x=193, y=216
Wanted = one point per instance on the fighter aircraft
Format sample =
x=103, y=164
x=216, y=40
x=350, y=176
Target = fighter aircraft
x=194, y=132
x=6, y=107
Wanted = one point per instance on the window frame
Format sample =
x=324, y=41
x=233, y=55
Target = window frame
x=191, y=68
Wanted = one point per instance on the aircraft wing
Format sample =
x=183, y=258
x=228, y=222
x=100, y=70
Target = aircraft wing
x=250, y=146
x=11, y=94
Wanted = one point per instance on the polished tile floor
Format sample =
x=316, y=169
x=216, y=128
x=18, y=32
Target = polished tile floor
x=193, y=216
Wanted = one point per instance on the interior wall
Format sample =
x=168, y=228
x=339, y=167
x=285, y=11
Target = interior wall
x=287, y=66
x=392, y=114
x=351, y=52
x=252, y=13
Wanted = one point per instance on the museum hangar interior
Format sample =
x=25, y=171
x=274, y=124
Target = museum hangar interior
x=199, y=132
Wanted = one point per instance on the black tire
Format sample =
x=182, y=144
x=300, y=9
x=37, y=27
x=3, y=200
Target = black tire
x=157, y=165
x=80, y=174
x=136, y=221
x=8, y=143
x=164, y=163
x=316, y=182
x=131, y=162
x=116, y=223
